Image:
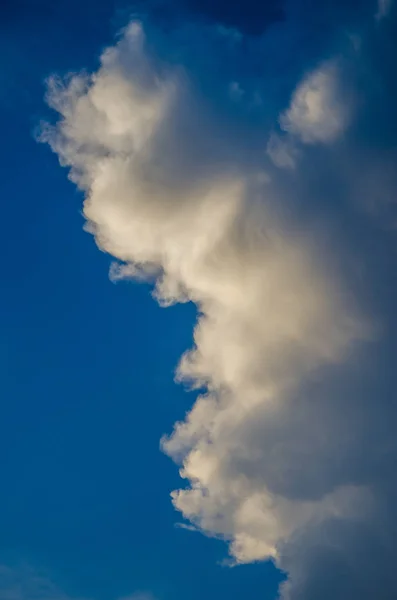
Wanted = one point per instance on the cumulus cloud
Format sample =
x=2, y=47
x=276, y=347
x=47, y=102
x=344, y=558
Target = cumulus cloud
x=278, y=450
x=282, y=151
x=318, y=113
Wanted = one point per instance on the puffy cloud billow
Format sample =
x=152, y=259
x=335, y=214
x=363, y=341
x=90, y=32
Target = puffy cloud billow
x=288, y=452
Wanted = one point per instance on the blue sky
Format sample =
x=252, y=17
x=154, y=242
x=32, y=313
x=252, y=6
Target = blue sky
x=88, y=365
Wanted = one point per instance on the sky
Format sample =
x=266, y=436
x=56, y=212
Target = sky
x=198, y=322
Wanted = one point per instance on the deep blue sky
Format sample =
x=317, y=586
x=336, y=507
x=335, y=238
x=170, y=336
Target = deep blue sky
x=87, y=366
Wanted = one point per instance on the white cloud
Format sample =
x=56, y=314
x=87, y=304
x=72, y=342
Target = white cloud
x=282, y=151
x=277, y=326
x=318, y=113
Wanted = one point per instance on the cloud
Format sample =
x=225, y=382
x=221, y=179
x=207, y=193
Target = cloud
x=318, y=113
x=282, y=151
x=285, y=453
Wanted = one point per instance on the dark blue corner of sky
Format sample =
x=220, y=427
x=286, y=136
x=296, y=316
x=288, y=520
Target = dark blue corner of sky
x=87, y=366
